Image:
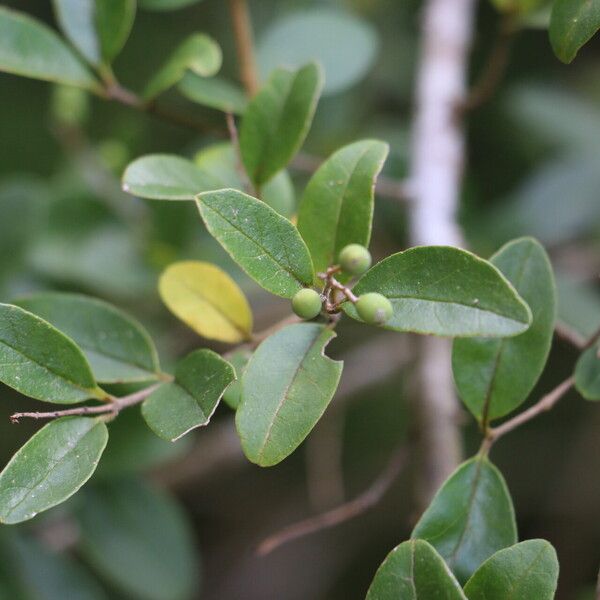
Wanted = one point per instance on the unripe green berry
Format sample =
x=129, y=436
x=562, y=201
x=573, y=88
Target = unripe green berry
x=355, y=259
x=307, y=303
x=374, y=309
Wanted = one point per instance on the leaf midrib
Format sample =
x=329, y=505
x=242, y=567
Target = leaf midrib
x=46, y=368
x=242, y=332
x=50, y=470
x=502, y=347
x=252, y=240
x=470, y=504
x=471, y=306
x=343, y=199
x=284, y=396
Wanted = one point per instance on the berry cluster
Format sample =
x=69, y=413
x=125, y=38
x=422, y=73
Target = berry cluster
x=372, y=308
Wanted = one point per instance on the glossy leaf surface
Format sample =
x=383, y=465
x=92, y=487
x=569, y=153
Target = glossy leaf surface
x=265, y=244
x=414, y=571
x=116, y=346
x=587, y=373
x=573, y=23
x=522, y=572
x=198, y=53
x=30, y=48
x=446, y=291
x=495, y=376
x=277, y=121
x=97, y=28
x=138, y=538
x=207, y=299
x=50, y=467
x=166, y=177
x=176, y=408
x=41, y=362
x=470, y=518
x=286, y=387
x=337, y=206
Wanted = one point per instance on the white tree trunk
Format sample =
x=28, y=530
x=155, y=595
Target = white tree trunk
x=435, y=182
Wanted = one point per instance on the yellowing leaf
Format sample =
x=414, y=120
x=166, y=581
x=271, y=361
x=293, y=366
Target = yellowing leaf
x=207, y=299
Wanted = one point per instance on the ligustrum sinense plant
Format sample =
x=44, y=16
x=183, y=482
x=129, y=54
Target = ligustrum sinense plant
x=70, y=350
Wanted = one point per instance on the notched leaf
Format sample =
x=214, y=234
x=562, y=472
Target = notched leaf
x=286, y=387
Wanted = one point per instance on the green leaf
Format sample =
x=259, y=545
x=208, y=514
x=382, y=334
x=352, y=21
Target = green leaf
x=134, y=448
x=30, y=48
x=214, y=92
x=219, y=161
x=522, y=572
x=286, y=388
x=443, y=290
x=41, y=362
x=116, y=346
x=587, y=373
x=337, y=206
x=572, y=24
x=345, y=62
x=263, y=243
x=50, y=467
x=160, y=5
x=97, y=28
x=176, y=408
x=36, y=573
x=238, y=360
x=578, y=304
x=518, y=7
x=207, y=299
x=470, y=518
x=197, y=53
x=277, y=121
x=138, y=538
x=414, y=571
x=495, y=376
x=166, y=177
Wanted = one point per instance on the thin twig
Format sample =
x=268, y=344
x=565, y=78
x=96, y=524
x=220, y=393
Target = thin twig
x=545, y=404
x=112, y=408
x=386, y=186
x=239, y=163
x=331, y=283
x=495, y=67
x=592, y=340
x=345, y=512
x=242, y=30
x=566, y=333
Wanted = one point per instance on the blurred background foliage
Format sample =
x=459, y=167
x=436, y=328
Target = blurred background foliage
x=190, y=528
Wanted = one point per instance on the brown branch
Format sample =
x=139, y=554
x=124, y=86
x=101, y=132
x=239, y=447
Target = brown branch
x=569, y=335
x=592, y=340
x=545, y=404
x=242, y=30
x=239, y=162
x=345, y=512
x=111, y=408
x=305, y=163
x=495, y=67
